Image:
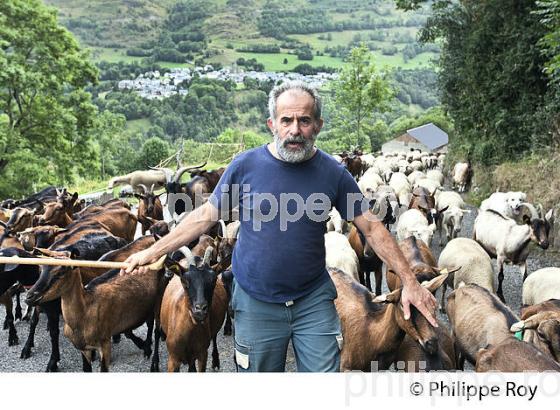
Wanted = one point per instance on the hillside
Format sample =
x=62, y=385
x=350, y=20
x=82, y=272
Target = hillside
x=276, y=35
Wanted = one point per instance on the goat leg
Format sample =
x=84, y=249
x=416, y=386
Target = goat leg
x=500, y=280
x=28, y=313
x=18, y=315
x=215, y=355
x=105, y=354
x=53, y=320
x=155, y=358
x=368, y=280
x=148, y=341
x=116, y=338
x=12, y=335
x=378, y=279
x=524, y=270
x=203, y=361
x=26, y=351
x=228, y=324
x=86, y=361
x=442, y=301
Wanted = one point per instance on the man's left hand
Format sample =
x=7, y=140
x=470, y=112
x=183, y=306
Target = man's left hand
x=422, y=299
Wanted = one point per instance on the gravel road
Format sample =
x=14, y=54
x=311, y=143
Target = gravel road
x=127, y=358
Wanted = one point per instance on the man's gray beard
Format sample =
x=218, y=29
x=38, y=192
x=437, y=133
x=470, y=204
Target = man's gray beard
x=298, y=155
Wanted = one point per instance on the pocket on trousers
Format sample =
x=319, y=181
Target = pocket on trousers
x=242, y=355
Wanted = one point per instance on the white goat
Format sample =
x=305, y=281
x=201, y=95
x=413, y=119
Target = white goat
x=461, y=173
x=505, y=240
x=400, y=184
x=451, y=205
x=336, y=223
x=369, y=182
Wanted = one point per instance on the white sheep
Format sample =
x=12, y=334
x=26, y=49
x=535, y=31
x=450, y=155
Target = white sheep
x=413, y=223
x=369, y=182
x=475, y=266
x=436, y=175
x=451, y=206
x=461, y=173
x=340, y=255
x=400, y=184
x=431, y=185
x=541, y=285
x=414, y=176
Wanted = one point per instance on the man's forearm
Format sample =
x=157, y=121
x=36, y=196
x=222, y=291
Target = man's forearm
x=195, y=224
x=385, y=246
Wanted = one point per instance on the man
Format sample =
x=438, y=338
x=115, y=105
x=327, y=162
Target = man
x=282, y=290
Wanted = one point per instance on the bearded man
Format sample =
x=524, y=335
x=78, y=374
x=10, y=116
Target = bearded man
x=284, y=190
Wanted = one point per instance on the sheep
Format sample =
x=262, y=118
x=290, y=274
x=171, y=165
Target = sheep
x=435, y=175
x=540, y=325
x=373, y=328
x=339, y=254
x=541, y=285
x=414, y=223
x=431, y=185
x=414, y=176
x=462, y=176
x=336, y=223
x=134, y=179
x=369, y=182
x=478, y=318
x=505, y=203
x=475, y=266
x=451, y=207
x=402, y=187
x=502, y=238
x=511, y=356
x=192, y=312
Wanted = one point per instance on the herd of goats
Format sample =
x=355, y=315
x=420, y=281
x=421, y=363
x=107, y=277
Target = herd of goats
x=184, y=299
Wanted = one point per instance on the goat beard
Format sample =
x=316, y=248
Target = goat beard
x=295, y=155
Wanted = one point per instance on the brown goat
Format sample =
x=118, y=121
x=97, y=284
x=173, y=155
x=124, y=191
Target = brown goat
x=109, y=305
x=39, y=236
x=514, y=356
x=416, y=359
x=119, y=221
x=373, y=328
x=149, y=206
x=192, y=312
x=478, y=318
x=421, y=261
x=540, y=324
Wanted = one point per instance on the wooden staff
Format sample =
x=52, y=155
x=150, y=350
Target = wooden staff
x=16, y=260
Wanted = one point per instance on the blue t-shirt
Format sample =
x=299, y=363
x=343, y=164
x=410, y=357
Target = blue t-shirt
x=283, y=207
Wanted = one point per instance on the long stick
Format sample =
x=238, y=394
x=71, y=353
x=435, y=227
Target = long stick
x=16, y=260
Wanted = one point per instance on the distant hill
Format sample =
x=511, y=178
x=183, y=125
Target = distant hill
x=258, y=34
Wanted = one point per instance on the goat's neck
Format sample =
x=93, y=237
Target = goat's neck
x=73, y=301
x=386, y=334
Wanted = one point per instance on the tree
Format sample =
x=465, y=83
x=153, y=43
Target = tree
x=359, y=92
x=154, y=150
x=48, y=117
x=492, y=75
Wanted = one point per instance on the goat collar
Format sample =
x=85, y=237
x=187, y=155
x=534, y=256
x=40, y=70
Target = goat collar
x=519, y=335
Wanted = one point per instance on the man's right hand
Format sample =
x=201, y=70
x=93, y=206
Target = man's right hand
x=137, y=262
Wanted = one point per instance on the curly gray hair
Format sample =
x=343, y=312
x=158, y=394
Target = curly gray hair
x=294, y=85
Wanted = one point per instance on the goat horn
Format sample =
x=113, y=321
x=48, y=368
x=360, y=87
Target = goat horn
x=182, y=170
x=168, y=173
x=207, y=255
x=152, y=188
x=144, y=188
x=187, y=254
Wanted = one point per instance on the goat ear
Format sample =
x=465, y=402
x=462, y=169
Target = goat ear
x=435, y=283
x=392, y=297
x=549, y=217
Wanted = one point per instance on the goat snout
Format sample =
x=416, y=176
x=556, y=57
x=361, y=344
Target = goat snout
x=544, y=244
x=200, y=311
x=33, y=298
x=431, y=346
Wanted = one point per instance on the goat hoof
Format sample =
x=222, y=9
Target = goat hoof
x=5, y=326
x=116, y=338
x=147, y=352
x=154, y=368
x=25, y=353
x=227, y=332
x=12, y=341
x=18, y=315
x=52, y=367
